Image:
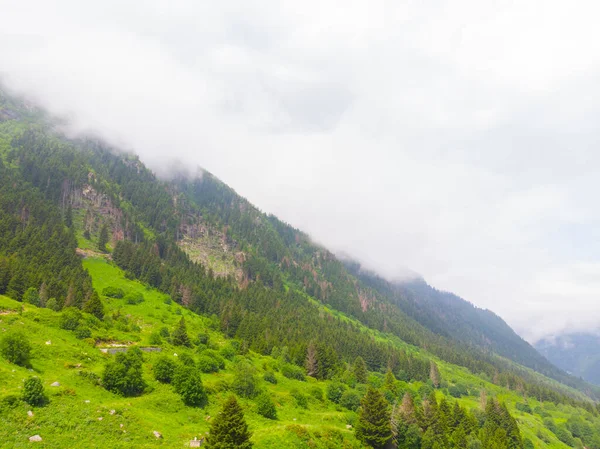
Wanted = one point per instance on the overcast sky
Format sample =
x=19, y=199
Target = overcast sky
x=458, y=139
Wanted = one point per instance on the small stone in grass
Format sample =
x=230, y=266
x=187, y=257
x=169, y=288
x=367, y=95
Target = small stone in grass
x=35, y=438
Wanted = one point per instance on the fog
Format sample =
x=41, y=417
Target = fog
x=456, y=139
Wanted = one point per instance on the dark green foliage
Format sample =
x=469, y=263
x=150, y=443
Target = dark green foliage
x=269, y=376
x=293, y=372
x=94, y=306
x=124, y=375
x=301, y=399
x=500, y=428
x=360, y=370
x=15, y=348
x=179, y=337
x=31, y=296
x=228, y=429
x=265, y=406
x=113, y=292
x=155, y=339
x=33, y=392
x=134, y=298
x=373, y=426
x=188, y=383
x=83, y=332
x=164, y=369
x=208, y=364
x=244, y=380
x=52, y=304
x=70, y=318
x=103, y=238
x=335, y=391
x=186, y=359
x=350, y=400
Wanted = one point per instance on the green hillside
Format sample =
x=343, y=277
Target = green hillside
x=96, y=253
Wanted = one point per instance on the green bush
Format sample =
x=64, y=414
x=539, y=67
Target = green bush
x=301, y=399
x=124, y=375
x=188, y=384
x=33, y=392
x=70, y=318
x=202, y=339
x=207, y=364
x=269, y=376
x=186, y=359
x=265, y=406
x=113, y=292
x=317, y=393
x=10, y=401
x=52, y=304
x=293, y=372
x=134, y=298
x=31, y=296
x=155, y=339
x=335, y=390
x=83, y=332
x=228, y=352
x=244, y=380
x=164, y=369
x=350, y=400
x=15, y=348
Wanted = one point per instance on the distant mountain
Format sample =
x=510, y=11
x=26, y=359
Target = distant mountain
x=577, y=353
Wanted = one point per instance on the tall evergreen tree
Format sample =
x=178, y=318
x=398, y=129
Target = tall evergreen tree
x=373, y=426
x=103, y=238
x=360, y=370
x=229, y=429
x=179, y=337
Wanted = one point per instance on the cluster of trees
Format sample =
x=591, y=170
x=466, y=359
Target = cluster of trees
x=429, y=424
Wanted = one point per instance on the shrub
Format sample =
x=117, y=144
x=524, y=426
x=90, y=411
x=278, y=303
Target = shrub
x=265, y=406
x=124, y=375
x=269, y=376
x=164, y=369
x=91, y=377
x=317, y=393
x=524, y=407
x=207, y=364
x=33, y=392
x=244, y=380
x=155, y=339
x=83, y=332
x=215, y=356
x=335, y=390
x=228, y=352
x=186, y=359
x=52, y=304
x=293, y=372
x=350, y=400
x=188, y=383
x=15, y=348
x=301, y=399
x=202, y=339
x=113, y=292
x=134, y=298
x=164, y=332
x=10, y=401
x=31, y=296
x=70, y=318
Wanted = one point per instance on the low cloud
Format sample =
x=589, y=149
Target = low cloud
x=455, y=139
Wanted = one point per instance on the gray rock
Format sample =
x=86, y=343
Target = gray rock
x=55, y=384
x=157, y=434
x=29, y=413
x=35, y=438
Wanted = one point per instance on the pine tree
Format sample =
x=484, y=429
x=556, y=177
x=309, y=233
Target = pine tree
x=360, y=370
x=179, y=337
x=103, y=238
x=94, y=306
x=373, y=426
x=390, y=382
x=229, y=429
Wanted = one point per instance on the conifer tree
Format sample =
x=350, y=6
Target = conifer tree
x=229, y=429
x=360, y=370
x=179, y=337
x=103, y=238
x=94, y=306
x=373, y=426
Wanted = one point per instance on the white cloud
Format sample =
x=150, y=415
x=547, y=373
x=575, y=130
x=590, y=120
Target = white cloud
x=458, y=139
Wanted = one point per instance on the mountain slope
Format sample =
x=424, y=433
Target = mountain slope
x=579, y=354
x=286, y=305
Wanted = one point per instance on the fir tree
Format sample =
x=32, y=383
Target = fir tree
x=373, y=426
x=360, y=370
x=229, y=429
x=179, y=337
x=94, y=306
x=103, y=238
